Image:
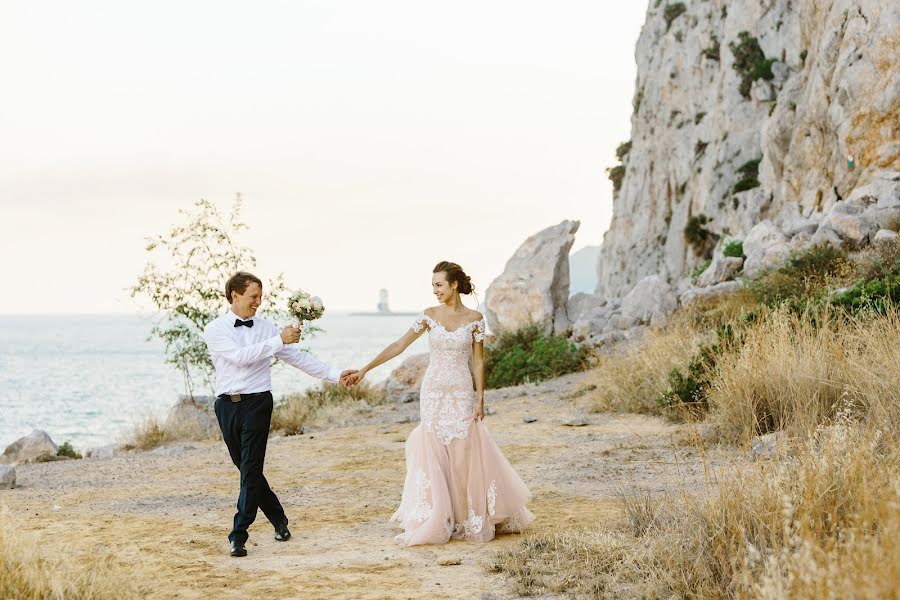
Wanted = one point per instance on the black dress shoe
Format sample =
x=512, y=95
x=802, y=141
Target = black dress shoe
x=238, y=549
x=282, y=534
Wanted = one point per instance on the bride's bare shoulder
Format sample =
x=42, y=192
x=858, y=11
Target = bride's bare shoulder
x=474, y=315
x=430, y=311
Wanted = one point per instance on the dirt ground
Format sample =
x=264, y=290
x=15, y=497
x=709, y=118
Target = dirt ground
x=165, y=515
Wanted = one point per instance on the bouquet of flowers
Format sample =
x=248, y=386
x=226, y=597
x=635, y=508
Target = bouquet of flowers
x=305, y=307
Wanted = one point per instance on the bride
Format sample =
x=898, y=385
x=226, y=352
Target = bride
x=458, y=483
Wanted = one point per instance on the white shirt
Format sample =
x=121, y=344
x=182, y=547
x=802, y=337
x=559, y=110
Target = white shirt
x=241, y=355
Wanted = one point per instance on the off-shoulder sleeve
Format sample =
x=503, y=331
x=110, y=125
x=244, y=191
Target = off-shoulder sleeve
x=478, y=331
x=420, y=323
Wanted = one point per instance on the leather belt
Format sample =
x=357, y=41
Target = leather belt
x=239, y=397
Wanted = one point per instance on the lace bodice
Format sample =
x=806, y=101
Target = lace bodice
x=448, y=388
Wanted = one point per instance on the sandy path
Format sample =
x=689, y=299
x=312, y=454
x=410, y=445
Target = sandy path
x=165, y=514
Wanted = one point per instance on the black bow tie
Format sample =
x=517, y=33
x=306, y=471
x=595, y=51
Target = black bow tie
x=247, y=323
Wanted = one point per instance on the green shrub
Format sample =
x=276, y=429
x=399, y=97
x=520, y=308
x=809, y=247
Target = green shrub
x=870, y=296
x=750, y=62
x=696, y=233
x=749, y=176
x=734, y=248
x=66, y=449
x=690, y=388
x=616, y=175
x=622, y=150
x=712, y=52
x=745, y=184
x=802, y=280
x=528, y=355
x=672, y=12
x=698, y=270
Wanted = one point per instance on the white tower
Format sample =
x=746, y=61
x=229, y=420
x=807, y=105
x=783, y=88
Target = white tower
x=383, y=301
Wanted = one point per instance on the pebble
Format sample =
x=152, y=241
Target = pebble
x=529, y=419
x=449, y=562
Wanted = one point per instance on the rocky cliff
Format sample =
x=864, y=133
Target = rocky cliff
x=745, y=112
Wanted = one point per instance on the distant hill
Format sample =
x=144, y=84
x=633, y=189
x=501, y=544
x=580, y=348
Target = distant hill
x=583, y=270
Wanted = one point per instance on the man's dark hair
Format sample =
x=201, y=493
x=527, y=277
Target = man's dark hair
x=239, y=282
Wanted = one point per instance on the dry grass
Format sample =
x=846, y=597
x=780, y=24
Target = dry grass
x=820, y=519
x=634, y=381
x=824, y=524
x=31, y=572
x=151, y=432
x=330, y=403
x=794, y=373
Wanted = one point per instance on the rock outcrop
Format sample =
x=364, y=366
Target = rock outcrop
x=784, y=112
x=403, y=384
x=534, y=285
x=193, y=417
x=7, y=478
x=34, y=447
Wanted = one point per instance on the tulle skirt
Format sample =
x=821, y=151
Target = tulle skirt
x=464, y=490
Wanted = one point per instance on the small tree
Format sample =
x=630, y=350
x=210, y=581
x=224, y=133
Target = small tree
x=189, y=292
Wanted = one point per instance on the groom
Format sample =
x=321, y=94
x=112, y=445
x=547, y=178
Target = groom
x=242, y=346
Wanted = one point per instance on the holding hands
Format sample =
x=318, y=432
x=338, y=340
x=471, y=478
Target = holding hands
x=350, y=377
x=353, y=377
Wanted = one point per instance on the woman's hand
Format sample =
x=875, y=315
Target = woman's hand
x=355, y=378
x=479, y=412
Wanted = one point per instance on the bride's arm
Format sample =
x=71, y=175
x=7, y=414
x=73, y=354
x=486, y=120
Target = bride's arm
x=478, y=372
x=394, y=349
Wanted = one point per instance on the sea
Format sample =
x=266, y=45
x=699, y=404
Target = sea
x=90, y=379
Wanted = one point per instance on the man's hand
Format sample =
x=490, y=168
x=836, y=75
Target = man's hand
x=348, y=377
x=290, y=335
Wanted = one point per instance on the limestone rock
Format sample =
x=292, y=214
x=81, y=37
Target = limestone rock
x=581, y=303
x=826, y=236
x=651, y=296
x=721, y=269
x=850, y=221
x=534, y=285
x=103, y=452
x=7, y=477
x=765, y=247
x=886, y=236
x=34, y=447
x=702, y=294
x=765, y=445
x=403, y=383
x=696, y=137
x=192, y=418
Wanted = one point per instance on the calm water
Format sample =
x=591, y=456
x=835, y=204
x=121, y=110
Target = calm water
x=89, y=379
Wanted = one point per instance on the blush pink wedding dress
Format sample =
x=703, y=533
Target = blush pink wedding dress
x=458, y=483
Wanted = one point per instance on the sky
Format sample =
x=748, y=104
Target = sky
x=369, y=140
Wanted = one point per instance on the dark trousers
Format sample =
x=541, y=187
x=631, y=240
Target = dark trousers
x=245, y=428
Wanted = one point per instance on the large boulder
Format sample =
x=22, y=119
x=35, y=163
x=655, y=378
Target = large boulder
x=193, y=417
x=534, y=285
x=702, y=294
x=652, y=300
x=721, y=269
x=403, y=383
x=582, y=303
x=103, y=452
x=36, y=446
x=7, y=478
x=851, y=221
x=766, y=247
